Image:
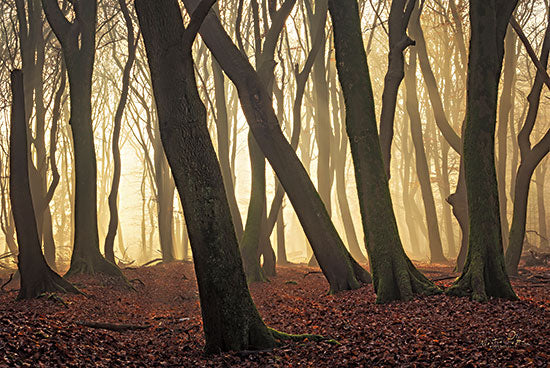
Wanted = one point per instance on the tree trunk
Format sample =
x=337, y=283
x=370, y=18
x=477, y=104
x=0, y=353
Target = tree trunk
x=230, y=319
x=400, y=13
x=222, y=130
x=36, y=276
x=505, y=106
x=484, y=272
x=340, y=269
x=78, y=43
x=422, y=169
x=113, y=196
x=394, y=275
x=540, y=179
x=531, y=156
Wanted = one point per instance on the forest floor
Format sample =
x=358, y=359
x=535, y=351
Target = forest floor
x=438, y=331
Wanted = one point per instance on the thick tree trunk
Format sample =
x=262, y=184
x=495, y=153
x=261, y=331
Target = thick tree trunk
x=340, y=269
x=36, y=276
x=231, y=321
x=484, y=272
x=394, y=275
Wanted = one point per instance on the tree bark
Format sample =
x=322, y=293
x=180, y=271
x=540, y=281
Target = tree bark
x=484, y=272
x=231, y=321
x=36, y=276
x=77, y=40
x=340, y=269
x=394, y=275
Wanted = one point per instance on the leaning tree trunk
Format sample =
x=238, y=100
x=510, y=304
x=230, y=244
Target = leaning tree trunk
x=484, y=273
x=77, y=40
x=340, y=269
x=230, y=318
x=36, y=276
x=394, y=275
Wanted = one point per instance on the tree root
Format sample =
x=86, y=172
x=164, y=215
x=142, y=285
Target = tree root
x=118, y=327
x=7, y=282
x=48, y=284
x=282, y=336
x=99, y=265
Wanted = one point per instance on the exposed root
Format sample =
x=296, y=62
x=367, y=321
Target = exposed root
x=99, y=265
x=281, y=336
x=118, y=327
x=311, y=273
x=7, y=282
x=47, y=285
x=54, y=297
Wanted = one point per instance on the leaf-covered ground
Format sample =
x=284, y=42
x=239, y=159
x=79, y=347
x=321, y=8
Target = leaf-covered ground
x=437, y=331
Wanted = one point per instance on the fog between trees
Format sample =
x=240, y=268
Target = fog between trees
x=275, y=99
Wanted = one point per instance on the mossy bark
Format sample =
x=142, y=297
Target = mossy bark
x=230, y=319
x=484, y=273
x=333, y=257
x=394, y=276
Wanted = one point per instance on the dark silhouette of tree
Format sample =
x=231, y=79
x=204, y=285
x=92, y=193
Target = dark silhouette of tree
x=484, y=273
x=341, y=270
x=36, y=276
x=77, y=40
x=230, y=318
x=394, y=275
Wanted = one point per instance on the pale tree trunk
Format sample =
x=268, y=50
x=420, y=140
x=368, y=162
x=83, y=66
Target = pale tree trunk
x=505, y=105
x=422, y=169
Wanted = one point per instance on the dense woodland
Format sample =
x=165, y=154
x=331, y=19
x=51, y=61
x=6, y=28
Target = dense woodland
x=394, y=152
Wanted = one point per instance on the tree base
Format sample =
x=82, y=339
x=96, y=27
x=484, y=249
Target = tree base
x=94, y=265
x=479, y=284
x=402, y=283
x=51, y=282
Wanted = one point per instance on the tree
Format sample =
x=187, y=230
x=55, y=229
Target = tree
x=394, y=275
x=113, y=196
x=400, y=13
x=531, y=155
x=36, y=276
x=230, y=318
x=484, y=272
x=77, y=40
x=340, y=269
